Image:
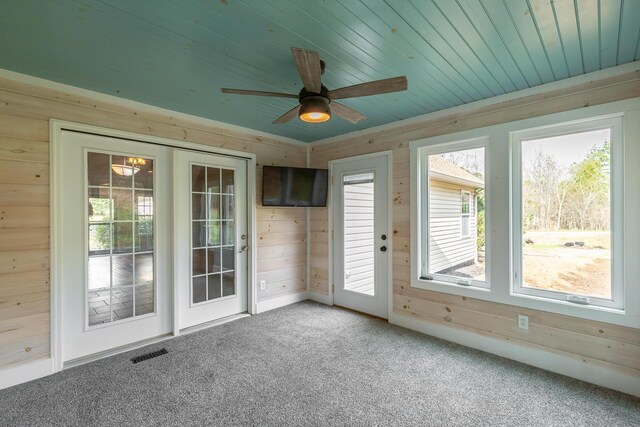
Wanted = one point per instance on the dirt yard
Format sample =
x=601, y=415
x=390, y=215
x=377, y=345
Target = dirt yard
x=583, y=269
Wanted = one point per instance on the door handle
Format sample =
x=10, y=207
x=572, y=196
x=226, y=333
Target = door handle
x=243, y=248
x=383, y=248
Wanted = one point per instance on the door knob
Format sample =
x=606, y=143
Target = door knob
x=383, y=249
x=243, y=248
x=383, y=237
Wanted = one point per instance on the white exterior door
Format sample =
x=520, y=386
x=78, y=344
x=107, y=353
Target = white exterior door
x=115, y=260
x=361, y=238
x=211, y=238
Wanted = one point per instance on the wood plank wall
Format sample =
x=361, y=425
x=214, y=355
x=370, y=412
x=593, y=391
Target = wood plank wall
x=24, y=203
x=590, y=342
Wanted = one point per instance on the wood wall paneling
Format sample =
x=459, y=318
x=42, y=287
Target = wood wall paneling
x=24, y=195
x=24, y=282
x=23, y=350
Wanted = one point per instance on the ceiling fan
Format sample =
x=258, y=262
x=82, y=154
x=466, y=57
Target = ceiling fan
x=316, y=102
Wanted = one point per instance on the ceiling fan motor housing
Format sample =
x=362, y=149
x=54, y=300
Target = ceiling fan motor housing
x=324, y=92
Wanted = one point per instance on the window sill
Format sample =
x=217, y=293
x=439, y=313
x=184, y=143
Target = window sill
x=449, y=287
x=543, y=300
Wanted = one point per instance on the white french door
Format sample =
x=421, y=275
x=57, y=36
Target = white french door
x=115, y=261
x=361, y=240
x=152, y=239
x=211, y=238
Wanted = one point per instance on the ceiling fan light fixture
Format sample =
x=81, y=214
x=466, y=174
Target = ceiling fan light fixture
x=314, y=109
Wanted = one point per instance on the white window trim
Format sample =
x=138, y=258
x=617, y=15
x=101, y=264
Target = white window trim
x=468, y=214
x=616, y=201
x=498, y=210
x=420, y=214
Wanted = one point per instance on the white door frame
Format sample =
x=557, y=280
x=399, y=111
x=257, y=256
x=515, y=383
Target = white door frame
x=389, y=155
x=56, y=128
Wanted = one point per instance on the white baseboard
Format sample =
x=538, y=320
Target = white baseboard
x=321, y=298
x=553, y=362
x=26, y=372
x=281, y=301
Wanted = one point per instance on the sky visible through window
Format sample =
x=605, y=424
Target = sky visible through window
x=565, y=149
x=470, y=160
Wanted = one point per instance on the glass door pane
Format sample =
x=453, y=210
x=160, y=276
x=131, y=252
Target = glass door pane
x=120, y=220
x=359, y=238
x=212, y=233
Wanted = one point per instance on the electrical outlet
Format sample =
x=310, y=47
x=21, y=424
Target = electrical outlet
x=523, y=322
x=263, y=285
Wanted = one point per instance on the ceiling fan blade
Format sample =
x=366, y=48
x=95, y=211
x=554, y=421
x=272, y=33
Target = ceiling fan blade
x=308, y=64
x=394, y=84
x=257, y=93
x=288, y=115
x=347, y=113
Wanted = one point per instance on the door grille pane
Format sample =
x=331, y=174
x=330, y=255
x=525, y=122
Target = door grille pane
x=213, y=230
x=120, y=257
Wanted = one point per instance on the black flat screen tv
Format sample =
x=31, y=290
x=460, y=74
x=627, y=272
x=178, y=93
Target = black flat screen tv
x=302, y=187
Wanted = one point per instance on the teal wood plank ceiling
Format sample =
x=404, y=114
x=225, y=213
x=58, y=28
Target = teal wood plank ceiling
x=176, y=54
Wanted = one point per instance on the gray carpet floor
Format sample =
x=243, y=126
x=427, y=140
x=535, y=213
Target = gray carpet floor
x=309, y=364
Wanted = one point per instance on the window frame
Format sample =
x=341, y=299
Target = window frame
x=498, y=226
x=434, y=281
x=616, y=196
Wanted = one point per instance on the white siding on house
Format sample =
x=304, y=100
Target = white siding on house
x=358, y=238
x=447, y=247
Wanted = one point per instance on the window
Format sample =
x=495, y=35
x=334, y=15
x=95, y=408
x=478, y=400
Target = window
x=465, y=215
x=145, y=205
x=559, y=211
x=567, y=190
x=451, y=227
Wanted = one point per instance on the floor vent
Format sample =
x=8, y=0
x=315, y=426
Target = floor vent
x=149, y=356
